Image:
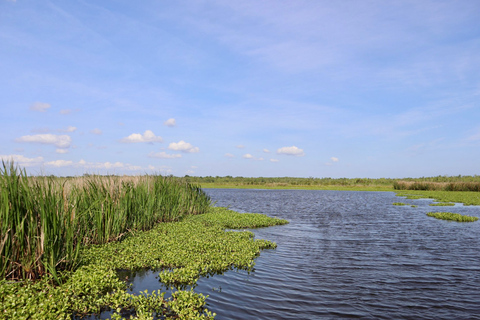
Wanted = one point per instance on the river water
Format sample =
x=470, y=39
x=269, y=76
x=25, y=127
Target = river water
x=348, y=255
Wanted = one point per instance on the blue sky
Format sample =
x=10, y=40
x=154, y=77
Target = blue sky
x=242, y=88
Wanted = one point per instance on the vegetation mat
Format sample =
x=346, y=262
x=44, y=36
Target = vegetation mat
x=182, y=251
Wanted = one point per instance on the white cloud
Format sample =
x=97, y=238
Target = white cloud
x=274, y=160
x=61, y=151
x=183, y=146
x=59, y=163
x=60, y=141
x=164, y=155
x=229, y=155
x=147, y=136
x=266, y=150
x=260, y=159
x=240, y=146
x=189, y=172
x=96, y=131
x=247, y=156
x=170, y=122
x=65, y=111
x=334, y=159
x=22, y=160
x=40, y=106
x=291, y=151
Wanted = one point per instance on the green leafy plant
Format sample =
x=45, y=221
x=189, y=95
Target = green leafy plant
x=452, y=216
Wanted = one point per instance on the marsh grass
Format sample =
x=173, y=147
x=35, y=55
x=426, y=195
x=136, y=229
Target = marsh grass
x=45, y=220
x=437, y=186
x=452, y=216
x=399, y=204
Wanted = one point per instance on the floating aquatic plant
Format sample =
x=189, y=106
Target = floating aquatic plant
x=442, y=204
x=452, y=216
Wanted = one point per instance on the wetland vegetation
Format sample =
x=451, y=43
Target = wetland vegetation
x=452, y=216
x=64, y=239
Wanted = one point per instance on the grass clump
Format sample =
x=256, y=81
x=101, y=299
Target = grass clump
x=399, y=204
x=452, y=216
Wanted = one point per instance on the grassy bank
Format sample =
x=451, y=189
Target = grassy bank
x=45, y=221
x=182, y=251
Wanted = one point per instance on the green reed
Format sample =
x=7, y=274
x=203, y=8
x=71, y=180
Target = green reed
x=452, y=216
x=437, y=186
x=45, y=220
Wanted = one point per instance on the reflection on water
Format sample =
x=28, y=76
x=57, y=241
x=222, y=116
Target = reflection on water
x=348, y=255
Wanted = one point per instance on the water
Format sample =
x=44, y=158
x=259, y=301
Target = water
x=348, y=255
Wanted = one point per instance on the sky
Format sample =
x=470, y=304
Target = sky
x=250, y=88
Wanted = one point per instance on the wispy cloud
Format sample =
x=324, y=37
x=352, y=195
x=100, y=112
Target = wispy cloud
x=96, y=131
x=229, y=155
x=164, y=155
x=147, y=136
x=247, y=156
x=291, y=151
x=59, y=163
x=68, y=129
x=40, y=106
x=60, y=141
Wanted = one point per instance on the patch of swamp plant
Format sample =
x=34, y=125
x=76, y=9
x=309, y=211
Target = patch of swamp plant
x=442, y=204
x=452, y=216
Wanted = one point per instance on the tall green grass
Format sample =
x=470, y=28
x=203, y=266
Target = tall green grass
x=45, y=220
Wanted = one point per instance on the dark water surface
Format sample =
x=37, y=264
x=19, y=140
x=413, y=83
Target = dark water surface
x=348, y=255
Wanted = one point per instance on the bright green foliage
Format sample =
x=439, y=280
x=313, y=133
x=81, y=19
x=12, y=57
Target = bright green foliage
x=184, y=250
x=399, y=204
x=229, y=219
x=452, y=216
x=91, y=290
x=196, y=246
x=44, y=221
x=442, y=204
